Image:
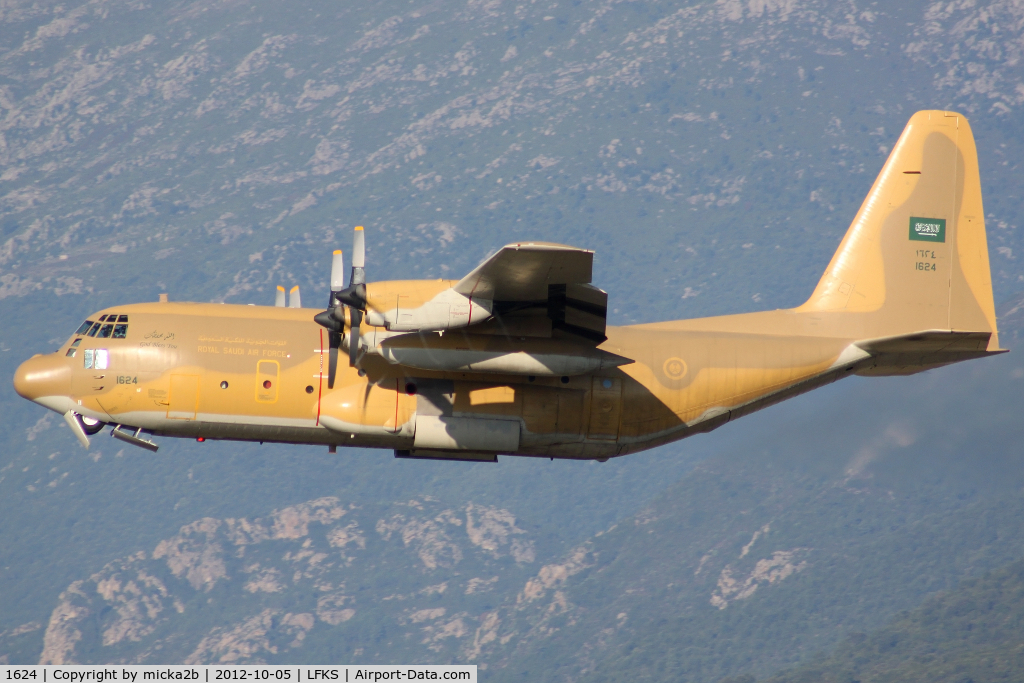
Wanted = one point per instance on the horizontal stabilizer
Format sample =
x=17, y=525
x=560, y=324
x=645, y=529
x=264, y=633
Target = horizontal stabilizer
x=911, y=353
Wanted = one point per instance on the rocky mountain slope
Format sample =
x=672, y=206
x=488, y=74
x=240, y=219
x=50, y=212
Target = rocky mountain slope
x=392, y=581
x=731, y=141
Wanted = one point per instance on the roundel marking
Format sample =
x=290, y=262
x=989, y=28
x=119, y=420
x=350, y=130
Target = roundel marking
x=675, y=368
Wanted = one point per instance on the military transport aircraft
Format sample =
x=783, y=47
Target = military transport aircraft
x=515, y=358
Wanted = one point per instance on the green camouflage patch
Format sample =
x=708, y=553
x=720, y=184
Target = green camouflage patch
x=928, y=229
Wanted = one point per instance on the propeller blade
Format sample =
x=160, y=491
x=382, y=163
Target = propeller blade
x=279, y=299
x=353, y=335
x=337, y=276
x=294, y=300
x=338, y=271
x=334, y=339
x=358, y=253
x=354, y=296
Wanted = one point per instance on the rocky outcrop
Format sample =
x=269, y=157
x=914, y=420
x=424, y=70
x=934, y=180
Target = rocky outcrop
x=153, y=607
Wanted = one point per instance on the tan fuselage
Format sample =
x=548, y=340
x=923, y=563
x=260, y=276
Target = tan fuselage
x=259, y=374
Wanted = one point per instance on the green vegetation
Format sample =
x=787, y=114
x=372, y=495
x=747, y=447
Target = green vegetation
x=974, y=633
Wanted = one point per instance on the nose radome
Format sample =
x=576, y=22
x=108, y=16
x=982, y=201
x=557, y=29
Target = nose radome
x=43, y=376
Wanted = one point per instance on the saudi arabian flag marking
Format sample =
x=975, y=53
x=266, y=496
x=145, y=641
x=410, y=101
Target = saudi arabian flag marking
x=928, y=229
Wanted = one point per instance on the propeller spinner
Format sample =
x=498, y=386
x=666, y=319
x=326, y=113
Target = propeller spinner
x=353, y=296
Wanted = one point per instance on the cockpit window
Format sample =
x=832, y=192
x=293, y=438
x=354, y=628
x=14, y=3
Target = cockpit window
x=105, y=327
x=73, y=347
x=96, y=359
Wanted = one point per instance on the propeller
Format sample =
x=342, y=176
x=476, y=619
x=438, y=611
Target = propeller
x=353, y=297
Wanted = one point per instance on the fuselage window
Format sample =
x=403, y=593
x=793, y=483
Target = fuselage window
x=120, y=331
x=88, y=356
x=105, y=331
x=94, y=329
x=122, y=318
x=85, y=327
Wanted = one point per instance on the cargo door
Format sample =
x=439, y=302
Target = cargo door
x=267, y=378
x=181, y=404
x=605, y=408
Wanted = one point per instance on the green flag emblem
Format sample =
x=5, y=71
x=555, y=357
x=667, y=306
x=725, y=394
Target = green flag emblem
x=928, y=229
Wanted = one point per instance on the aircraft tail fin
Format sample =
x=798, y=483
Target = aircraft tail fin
x=916, y=257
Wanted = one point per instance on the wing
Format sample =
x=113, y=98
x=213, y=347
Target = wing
x=540, y=277
x=522, y=272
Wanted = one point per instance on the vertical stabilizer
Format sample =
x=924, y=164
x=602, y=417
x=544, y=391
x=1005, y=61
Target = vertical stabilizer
x=916, y=257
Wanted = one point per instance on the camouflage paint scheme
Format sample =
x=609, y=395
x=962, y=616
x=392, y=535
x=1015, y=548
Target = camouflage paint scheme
x=908, y=289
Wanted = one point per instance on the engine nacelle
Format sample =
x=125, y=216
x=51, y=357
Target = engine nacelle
x=422, y=306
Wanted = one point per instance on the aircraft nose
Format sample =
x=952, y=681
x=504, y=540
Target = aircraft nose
x=42, y=376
